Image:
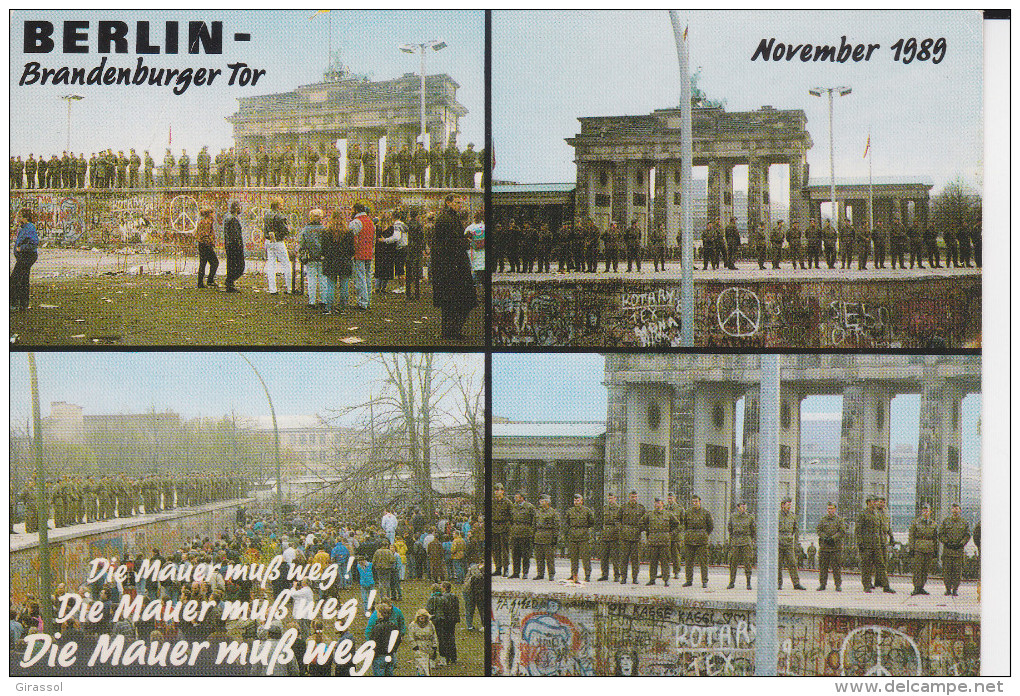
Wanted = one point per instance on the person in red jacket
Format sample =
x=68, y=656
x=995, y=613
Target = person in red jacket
x=363, y=228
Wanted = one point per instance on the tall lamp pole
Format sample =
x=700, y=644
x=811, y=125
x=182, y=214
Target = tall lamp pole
x=276, y=439
x=69, y=98
x=817, y=92
x=435, y=45
x=686, y=201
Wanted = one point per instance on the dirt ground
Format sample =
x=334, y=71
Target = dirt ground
x=120, y=308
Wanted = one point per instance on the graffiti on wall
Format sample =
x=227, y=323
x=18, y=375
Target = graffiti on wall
x=533, y=637
x=170, y=216
x=926, y=313
x=676, y=637
x=70, y=557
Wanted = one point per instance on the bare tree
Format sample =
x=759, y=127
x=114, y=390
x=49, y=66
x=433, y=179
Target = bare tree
x=392, y=460
x=956, y=206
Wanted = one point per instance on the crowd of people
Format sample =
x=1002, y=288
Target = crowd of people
x=520, y=531
x=278, y=166
x=441, y=558
x=75, y=499
x=533, y=247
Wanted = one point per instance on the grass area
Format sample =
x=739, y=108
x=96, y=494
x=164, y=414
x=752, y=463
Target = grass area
x=171, y=310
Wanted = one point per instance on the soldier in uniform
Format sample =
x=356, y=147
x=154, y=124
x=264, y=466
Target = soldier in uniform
x=743, y=532
x=974, y=230
x=134, y=496
x=333, y=166
x=676, y=544
x=290, y=166
x=576, y=247
x=931, y=245
x=846, y=245
x=522, y=534
x=53, y=172
x=134, y=164
x=402, y=166
x=962, y=241
x=795, y=238
x=104, y=493
x=43, y=166
x=631, y=516
x=451, y=159
x=469, y=166
x=954, y=533
x=81, y=167
x=777, y=237
x=419, y=163
x=862, y=240
x=89, y=492
x=184, y=166
x=788, y=541
x=57, y=493
x=813, y=242
x=500, y=530
x=611, y=244
x=659, y=525
x=148, y=165
x=756, y=238
x=368, y=162
x=244, y=166
x=580, y=522
x=30, y=170
x=831, y=532
x=898, y=241
x=17, y=172
x=591, y=246
x=311, y=162
x=924, y=546
x=732, y=244
x=881, y=239
x=868, y=531
x=30, y=500
x=547, y=533
x=389, y=169
x=203, y=160
x=261, y=167
x=230, y=174
x=632, y=240
x=916, y=245
x=657, y=247
x=610, y=538
x=698, y=528
x=353, y=164
x=68, y=176
x=436, y=178
x=513, y=246
x=543, y=249
x=708, y=248
x=887, y=535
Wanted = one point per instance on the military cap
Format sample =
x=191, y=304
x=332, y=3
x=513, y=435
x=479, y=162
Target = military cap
x=870, y=498
x=658, y=499
x=695, y=495
x=671, y=494
x=926, y=506
x=830, y=504
x=741, y=502
x=633, y=492
x=577, y=496
x=497, y=487
x=787, y=499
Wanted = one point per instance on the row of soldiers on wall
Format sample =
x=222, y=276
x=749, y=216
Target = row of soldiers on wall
x=79, y=499
x=282, y=166
x=531, y=247
x=520, y=529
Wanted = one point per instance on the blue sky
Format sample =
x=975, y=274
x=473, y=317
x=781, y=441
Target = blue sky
x=201, y=384
x=564, y=387
x=289, y=45
x=925, y=119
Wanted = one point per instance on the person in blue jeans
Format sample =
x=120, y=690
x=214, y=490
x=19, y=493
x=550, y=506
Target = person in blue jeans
x=367, y=582
x=398, y=569
x=340, y=555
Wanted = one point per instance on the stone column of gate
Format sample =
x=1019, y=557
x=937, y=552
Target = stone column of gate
x=938, y=444
x=798, y=198
x=766, y=200
x=681, y=440
x=670, y=170
x=583, y=196
x=864, y=446
x=713, y=206
x=749, y=456
x=659, y=202
x=714, y=415
x=616, y=436
x=754, y=194
x=726, y=193
x=621, y=193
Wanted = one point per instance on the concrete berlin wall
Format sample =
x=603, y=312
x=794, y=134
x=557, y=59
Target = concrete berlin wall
x=72, y=548
x=923, y=313
x=171, y=215
x=603, y=636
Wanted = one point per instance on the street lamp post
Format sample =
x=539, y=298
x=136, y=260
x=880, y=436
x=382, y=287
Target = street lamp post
x=276, y=441
x=69, y=98
x=435, y=45
x=817, y=92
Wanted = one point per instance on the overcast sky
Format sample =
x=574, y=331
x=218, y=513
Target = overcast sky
x=203, y=384
x=566, y=387
x=289, y=45
x=925, y=119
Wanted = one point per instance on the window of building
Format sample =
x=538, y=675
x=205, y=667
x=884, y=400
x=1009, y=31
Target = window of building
x=878, y=459
x=880, y=416
x=718, y=415
x=784, y=415
x=953, y=462
x=653, y=455
x=784, y=456
x=717, y=456
x=602, y=200
x=654, y=416
x=676, y=198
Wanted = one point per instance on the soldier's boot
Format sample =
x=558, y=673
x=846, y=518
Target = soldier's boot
x=748, y=582
x=888, y=590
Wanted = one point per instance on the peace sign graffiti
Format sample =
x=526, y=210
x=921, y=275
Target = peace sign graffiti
x=183, y=214
x=738, y=312
x=879, y=651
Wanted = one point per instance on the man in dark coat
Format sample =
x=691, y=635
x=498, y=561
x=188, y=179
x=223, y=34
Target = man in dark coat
x=453, y=289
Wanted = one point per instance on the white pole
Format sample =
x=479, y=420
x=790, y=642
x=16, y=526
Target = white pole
x=686, y=210
x=871, y=190
x=766, y=655
x=832, y=168
x=423, y=95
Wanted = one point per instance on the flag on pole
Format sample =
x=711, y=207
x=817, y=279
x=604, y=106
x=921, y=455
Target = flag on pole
x=170, y=137
x=685, y=31
x=867, y=146
x=317, y=13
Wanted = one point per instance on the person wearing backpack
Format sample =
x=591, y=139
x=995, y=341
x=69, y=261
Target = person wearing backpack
x=385, y=651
